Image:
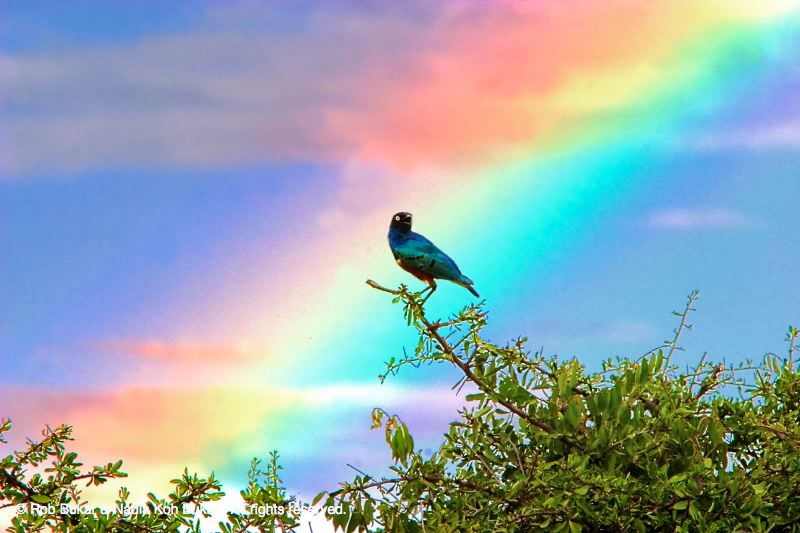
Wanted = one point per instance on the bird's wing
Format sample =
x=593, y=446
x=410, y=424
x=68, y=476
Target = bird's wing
x=419, y=253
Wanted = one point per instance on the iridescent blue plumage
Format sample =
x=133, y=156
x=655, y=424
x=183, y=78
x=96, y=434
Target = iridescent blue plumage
x=420, y=257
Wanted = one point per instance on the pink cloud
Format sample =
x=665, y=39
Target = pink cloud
x=439, y=82
x=178, y=350
x=174, y=425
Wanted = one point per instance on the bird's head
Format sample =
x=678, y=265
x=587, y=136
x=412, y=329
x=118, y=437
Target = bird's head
x=401, y=222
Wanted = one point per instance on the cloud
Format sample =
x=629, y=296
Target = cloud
x=224, y=94
x=172, y=424
x=785, y=135
x=159, y=431
x=433, y=82
x=688, y=219
x=179, y=351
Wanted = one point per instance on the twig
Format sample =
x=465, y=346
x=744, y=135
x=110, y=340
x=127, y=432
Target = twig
x=674, y=344
x=358, y=470
x=374, y=285
x=439, y=324
x=481, y=385
x=697, y=370
x=651, y=350
x=447, y=349
x=552, y=376
x=792, y=338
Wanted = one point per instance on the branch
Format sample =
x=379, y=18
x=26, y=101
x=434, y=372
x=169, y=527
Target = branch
x=433, y=331
x=10, y=479
x=477, y=381
x=674, y=344
x=374, y=285
x=575, y=389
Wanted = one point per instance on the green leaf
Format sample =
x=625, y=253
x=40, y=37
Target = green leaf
x=693, y=512
x=644, y=372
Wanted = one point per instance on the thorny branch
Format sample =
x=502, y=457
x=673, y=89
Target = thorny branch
x=432, y=329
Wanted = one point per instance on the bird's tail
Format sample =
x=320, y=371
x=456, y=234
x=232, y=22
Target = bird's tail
x=467, y=284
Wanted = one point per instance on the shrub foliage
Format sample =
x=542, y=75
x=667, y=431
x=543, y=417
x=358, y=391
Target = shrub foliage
x=541, y=445
x=545, y=446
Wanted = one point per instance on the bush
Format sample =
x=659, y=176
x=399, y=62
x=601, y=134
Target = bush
x=546, y=446
x=53, y=502
x=543, y=445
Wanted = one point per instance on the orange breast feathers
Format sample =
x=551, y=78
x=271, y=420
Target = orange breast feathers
x=427, y=278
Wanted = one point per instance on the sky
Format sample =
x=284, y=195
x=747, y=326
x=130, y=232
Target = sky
x=192, y=195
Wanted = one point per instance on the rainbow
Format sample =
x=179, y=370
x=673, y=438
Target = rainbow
x=514, y=133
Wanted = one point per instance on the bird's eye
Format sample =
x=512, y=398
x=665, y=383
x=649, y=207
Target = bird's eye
x=397, y=218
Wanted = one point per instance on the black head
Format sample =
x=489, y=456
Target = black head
x=401, y=222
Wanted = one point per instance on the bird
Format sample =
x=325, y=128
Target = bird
x=421, y=258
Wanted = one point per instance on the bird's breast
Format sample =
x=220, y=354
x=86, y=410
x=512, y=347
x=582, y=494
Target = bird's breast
x=417, y=273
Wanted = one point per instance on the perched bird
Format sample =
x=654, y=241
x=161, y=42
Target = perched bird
x=420, y=257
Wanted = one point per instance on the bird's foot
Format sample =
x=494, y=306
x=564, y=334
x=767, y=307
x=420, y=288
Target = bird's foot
x=430, y=291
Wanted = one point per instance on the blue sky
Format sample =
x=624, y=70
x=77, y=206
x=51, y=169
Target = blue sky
x=193, y=193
